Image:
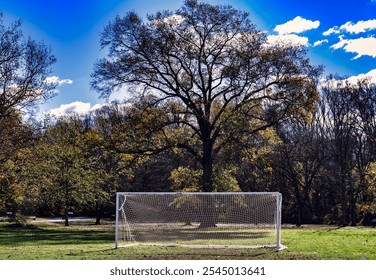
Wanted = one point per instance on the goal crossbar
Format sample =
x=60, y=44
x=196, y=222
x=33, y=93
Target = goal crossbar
x=211, y=220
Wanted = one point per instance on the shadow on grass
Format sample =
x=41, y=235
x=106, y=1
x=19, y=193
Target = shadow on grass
x=163, y=253
x=175, y=234
x=13, y=236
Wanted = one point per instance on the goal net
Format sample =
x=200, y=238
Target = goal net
x=243, y=220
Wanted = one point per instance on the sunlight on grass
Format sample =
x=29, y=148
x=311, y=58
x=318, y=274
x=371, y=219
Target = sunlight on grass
x=86, y=241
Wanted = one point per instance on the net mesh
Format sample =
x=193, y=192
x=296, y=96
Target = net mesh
x=199, y=219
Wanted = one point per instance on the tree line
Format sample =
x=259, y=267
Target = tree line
x=213, y=107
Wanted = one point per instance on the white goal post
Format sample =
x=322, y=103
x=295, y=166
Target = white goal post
x=199, y=219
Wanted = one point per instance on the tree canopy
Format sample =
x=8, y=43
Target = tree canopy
x=213, y=64
x=24, y=69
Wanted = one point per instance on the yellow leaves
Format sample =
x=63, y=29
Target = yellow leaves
x=92, y=138
x=270, y=136
x=371, y=176
x=268, y=169
x=267, y=141
x=185, y=179
x=369, y=207
x=225, y=181
x=126, y=157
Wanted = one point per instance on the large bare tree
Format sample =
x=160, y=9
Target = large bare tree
x=214, y=63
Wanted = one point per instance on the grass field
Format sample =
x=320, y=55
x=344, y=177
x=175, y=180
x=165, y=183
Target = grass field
x=83, y=240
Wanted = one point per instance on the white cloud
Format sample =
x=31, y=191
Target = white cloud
x=297, y=25
x=98, y=106
x=333, y=30
x=360, y=46
x=57, y=80
x=288, y=39
x=349, y=27
x=371, y=75
x=78, y=107
x=360, y=26
x=353, y=80
x=320, y=42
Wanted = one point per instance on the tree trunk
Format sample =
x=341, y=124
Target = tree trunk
x=66, y=218
x=207, y=168
x=210, y=217
x=207, y=186
x=298, y=215
x=98, y=212
x=343, y=200
x=67, y=199
x=207, y=177
x=299, y=204
x=353, y=214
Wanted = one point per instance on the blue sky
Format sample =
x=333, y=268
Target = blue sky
x=341, y=35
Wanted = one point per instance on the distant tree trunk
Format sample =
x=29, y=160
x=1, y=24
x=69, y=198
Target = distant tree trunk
x=353, y=213
x=65, y=185
x=66, y=218
x=298, y=204
x=298, y=215
x=98, y=213
x=343, y=200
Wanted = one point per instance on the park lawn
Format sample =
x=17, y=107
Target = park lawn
x=330, y=243
x=84, y=241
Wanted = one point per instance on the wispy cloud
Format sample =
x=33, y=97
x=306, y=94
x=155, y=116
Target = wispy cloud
x=353, y=28
x=57, y=80
x=297, y=25
x=320, y=42
x=333, y=30
x=288, y=39
x=360, y=46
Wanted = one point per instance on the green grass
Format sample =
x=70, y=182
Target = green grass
x=351, y=243
x=85, y=241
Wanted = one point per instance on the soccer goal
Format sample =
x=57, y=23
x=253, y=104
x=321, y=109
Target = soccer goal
x=236, y=220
